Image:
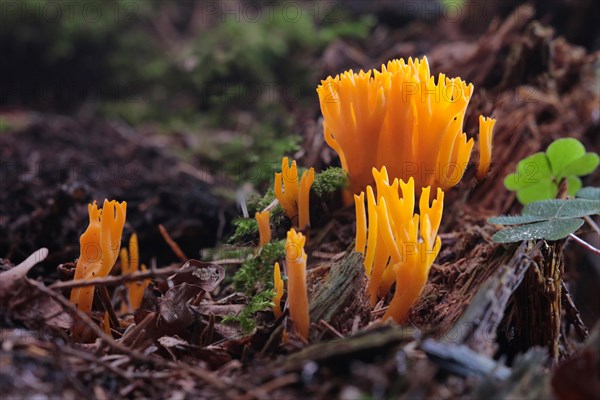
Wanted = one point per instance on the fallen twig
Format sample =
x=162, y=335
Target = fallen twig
x=105, y=299
x=71, y=309
x=205, y=375
x=116, y=280
x=174, y=246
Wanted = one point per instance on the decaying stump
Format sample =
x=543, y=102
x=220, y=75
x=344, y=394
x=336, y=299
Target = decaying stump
x=519, y=305
x=534, y=315
x=342, y=296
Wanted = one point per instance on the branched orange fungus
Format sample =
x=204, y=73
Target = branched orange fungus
x=294, y=197
x=99, y=248
x=486, y=129
x=401, y=245
x=264, y=228
x=297, y=292
x=278, y=286
x=399, y=117
x=130, y=264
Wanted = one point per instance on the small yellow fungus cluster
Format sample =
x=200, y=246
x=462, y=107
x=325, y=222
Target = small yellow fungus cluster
x=401, y=118
x=400, y=245
x=294, y=197
x=99, y=249
x=130, y=263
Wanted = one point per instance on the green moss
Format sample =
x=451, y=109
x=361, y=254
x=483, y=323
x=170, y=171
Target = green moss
x=264, y=202
x=256, y=273
x=329, y=181
x=245, y=317
x=246, y=229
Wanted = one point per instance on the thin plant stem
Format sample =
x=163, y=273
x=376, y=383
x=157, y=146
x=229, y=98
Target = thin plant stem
x=585, y=244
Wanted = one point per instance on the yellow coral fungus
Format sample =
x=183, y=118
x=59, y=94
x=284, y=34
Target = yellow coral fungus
x=130, y=264
x=278, y=286
x=264, y=228
x=99, y=249
x=294, y=197
x=401, y=245
x=486, y=129
x=399, y=117
x=296, y=271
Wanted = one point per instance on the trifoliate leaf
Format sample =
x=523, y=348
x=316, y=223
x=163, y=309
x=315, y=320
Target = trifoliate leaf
x=538, y=176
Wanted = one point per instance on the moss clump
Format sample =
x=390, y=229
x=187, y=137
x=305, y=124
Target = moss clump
x=245, y=317
x=246, y=229
x=329, y=181
x=256, y=273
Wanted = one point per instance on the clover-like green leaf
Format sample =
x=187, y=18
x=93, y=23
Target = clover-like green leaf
x=581, y=166
x=551, y=230
x=544, y=189
x=573, y=185
x=547, y=219
x=530, y=170
x=515, y=219
x=590, y=193
x=563, y=152
x=562, y=209
x=538, y=176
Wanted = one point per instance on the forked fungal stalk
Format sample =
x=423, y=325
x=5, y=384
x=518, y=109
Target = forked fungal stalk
x=99, y=249
x=401, y=245
x=293, y=196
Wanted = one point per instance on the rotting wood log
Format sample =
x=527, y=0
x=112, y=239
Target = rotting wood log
x=534, y=315
x=519, y=305
x=342, y=296
x=479, y=322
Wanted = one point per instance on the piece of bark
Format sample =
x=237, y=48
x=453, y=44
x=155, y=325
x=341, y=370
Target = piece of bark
x=342, y=296
x=365, y=344
x=534, y=315
x=462, y=361
x=478, y=324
